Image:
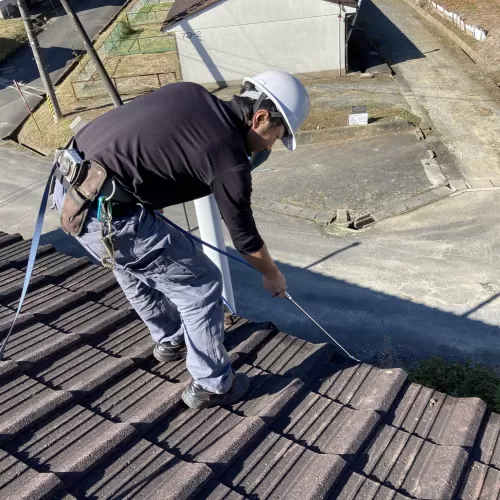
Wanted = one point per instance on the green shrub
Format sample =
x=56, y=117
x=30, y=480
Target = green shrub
x=460, y=380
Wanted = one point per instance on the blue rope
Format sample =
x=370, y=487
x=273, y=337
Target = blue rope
x=195, y=238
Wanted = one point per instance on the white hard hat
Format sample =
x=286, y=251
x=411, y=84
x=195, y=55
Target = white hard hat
x=289, y=96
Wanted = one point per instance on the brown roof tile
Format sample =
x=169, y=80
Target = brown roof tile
x=185, y=8
x=87, y=412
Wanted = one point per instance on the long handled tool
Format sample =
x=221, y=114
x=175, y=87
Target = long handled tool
x=289, y=297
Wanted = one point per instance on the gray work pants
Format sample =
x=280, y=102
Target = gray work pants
x=174, y=287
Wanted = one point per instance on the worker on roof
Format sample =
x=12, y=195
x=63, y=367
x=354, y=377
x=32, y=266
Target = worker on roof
x=174, y=145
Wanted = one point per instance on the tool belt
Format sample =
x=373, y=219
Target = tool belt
x=84, y=181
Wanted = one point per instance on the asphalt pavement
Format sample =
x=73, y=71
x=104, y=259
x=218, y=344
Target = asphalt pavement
x=60, y=44
x=425, y=283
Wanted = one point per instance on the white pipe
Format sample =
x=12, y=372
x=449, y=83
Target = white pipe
x=209, y=222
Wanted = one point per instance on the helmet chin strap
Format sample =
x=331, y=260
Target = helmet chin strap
x=259, y=98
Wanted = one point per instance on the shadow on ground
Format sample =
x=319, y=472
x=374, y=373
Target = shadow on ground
x=376, y=327
x=374, y=22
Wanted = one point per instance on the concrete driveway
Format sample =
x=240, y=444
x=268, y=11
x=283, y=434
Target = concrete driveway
x=462, y=104
x=362, y=175
x=60, y=44
x=415, y=285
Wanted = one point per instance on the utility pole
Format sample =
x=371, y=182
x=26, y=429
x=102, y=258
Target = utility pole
x=106, y=80
x=35, y=47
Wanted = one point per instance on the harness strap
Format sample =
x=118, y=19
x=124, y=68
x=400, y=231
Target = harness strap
x=32, y=256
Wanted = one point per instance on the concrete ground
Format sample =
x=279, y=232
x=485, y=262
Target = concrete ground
x=462, y=104
x=362, y=175
x=416, y=285
x=60, y=44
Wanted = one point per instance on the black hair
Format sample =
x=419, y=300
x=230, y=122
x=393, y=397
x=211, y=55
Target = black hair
x=247, y=105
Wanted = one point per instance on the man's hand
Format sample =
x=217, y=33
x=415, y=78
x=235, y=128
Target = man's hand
x=272, y=280
x=275, y=283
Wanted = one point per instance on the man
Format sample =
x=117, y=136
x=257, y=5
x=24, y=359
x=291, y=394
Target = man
x=174, y=145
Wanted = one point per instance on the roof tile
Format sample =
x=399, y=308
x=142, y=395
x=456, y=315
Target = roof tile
x=50, y=446
x=481, y=483
x=93, y=280
x=35, y=343
x=18, y=253
x=218, y=491
x=25, y=402
x=327, y=427
x=290, y=356
x=8, y=239
x=359, y=487
x=57, y=266
x=88, y=318
x=276, y=467
x=487, y=449
x=363, y=387
x=440, y=418
x=214, y=436
x=138, y=398
x=142, y=470
x=412, y=465
x=48, y=299
x=268, y=395
x=81, y=370
x=19, y=482
x=132, y=340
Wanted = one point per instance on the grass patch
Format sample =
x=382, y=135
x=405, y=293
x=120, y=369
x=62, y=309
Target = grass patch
x=12, y=36
x=126, y=69
x=324, y=117
x=459, y=379
x=154, y=7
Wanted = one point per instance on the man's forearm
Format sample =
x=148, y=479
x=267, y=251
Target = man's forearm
x=262, y=261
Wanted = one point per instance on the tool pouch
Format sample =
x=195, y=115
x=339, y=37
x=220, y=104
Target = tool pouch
x=80, y=197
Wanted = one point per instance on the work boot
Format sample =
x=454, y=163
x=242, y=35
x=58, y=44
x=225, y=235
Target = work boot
x=196, y=397
x=170, y=351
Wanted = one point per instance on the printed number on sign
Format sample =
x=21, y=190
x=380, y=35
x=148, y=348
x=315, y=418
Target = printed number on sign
x=191, y=34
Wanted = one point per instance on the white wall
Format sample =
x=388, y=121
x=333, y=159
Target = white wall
x=237, y=38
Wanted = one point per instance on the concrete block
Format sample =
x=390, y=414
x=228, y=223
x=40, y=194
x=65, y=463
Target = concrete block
x=432, y=139
x=381, y=214
x=431, y=154
x=442, y=191
x=428, y=196
x=397, y=208
x=308, y=213
x=278, y=207
x=342, y=219
x=366, y=75
x=324, y=217
x=496, y=181
x=414, y=202
x=293, y=210
x=262, y=203
x=420, y=135
x=480, y=183
x=458, y=184
x=433, y=172
x=425, y=125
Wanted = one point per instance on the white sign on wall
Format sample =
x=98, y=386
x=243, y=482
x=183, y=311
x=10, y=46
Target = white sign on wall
x=358, y=116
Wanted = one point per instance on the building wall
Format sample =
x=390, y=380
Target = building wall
x=236, y=38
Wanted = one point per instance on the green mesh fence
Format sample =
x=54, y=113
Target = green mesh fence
x=124, y=41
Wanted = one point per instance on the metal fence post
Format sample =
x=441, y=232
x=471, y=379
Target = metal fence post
x=210, y=226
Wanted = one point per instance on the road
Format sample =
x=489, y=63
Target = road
x=413, y=286
x=463, y=106
x=59, y=43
